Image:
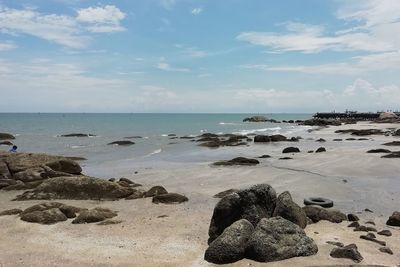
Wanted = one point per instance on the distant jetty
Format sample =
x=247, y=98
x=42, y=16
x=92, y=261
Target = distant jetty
x=352, y=115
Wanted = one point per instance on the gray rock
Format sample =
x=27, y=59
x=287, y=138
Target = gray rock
x=252, y=204
x=65, y=165
x=137, y=193
x=385, y=233
x=169, y=198
x=348, y=252
x=6, y=136
x=48, y=216
x=386, y=250
x=77, y=187
x=316, y=213
x=320, y=149
x=230, y=246
x=94, y=215
x=352, y=217
x=237, y=161
x=4, y=171
x=394, y=219
x=10, y=212
x=291, y=150
x=122, y=143
x=225, y=193
x=156, y=190
x=289, y=210
x=277, y=239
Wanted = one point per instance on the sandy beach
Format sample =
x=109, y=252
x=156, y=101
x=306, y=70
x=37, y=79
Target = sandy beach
x=349, y=176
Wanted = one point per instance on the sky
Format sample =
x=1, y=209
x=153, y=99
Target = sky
x=227, y=56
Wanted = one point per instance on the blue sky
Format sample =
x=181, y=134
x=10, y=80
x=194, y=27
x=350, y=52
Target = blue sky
x=199, y=56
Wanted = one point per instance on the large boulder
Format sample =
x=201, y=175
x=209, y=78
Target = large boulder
x=230, y=246
x=277, y=239
x=394, y=220
x=316, y=214
x=94, y=215
x=289, y=210
x=252, y=204
x=6, y=136
x=48, y=216
x=77, y=187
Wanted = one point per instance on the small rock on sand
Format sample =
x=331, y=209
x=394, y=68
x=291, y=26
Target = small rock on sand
x=348, y=252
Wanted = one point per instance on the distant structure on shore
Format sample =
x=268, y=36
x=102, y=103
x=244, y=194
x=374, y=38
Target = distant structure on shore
x=355, y=115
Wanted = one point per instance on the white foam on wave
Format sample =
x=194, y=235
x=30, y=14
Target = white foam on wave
x=157, y=151
x=164, y=135
x=251, y=131
x=78, y=146
x=227, y=123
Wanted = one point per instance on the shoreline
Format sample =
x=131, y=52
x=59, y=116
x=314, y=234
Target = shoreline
x=180, y=239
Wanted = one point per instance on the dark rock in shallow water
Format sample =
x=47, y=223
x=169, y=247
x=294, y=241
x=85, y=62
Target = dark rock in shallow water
x=348, y=252
x=122, y=143
x=320, y=149
x=291, y=150
x=277, y=239
x=10, y=212
x=337, y=140
x=392, y=155
x=133, y=137
x=94, y=215
x=256, y=119
x=6, y=136
x=394, y=219
x=77, y=187
x=77, y=135
x=289, y=210
x=285, y=158
x=385, y=233
x=321, y=140
x=230, y=246
x=252, y=204
x=225, y=193
x=316, y=213
x=170, y=198
x=6, y=143
x=379, y=150
x=155, y=191
x=237, y=161
x=393, y=143
x=264, y=157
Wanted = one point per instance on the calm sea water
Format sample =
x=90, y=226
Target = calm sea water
x=40, y=133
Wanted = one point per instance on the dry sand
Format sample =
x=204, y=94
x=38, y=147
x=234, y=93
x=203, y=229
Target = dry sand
x=180, y=239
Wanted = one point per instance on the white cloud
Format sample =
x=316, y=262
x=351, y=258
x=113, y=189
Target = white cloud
x=7, y=46
x=377, y=29
x=197, y=11
x=167, y=67
x=102, y=19
x=68, y=31
x=361, y=64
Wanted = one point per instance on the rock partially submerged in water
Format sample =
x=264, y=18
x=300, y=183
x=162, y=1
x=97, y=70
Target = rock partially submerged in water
x=122, y=143
x=393, y=143
x=291, y=150
x=77, y=187
x=237, y=161
x=258, y=119
x=273, y=138
x=214, y=141
x=6, y=143
x=6, y=136
x=395, y=154
x=379, y=150
x=77, y=135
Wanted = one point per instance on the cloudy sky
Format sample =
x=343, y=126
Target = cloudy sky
x=199, y=56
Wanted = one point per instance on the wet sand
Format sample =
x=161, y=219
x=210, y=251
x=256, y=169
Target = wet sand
x=180, y=239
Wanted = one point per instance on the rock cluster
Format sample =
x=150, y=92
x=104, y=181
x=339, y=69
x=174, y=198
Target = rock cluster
x=259, y=119
x=237, y=161
x=362, y=132
x=20, y=171
x=214, y=141
x=254, y=223
x=273, y=138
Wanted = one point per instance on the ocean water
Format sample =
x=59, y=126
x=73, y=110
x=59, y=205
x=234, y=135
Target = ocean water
x=39, y=132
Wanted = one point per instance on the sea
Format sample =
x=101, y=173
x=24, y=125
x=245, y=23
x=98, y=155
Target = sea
x=40, y=133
